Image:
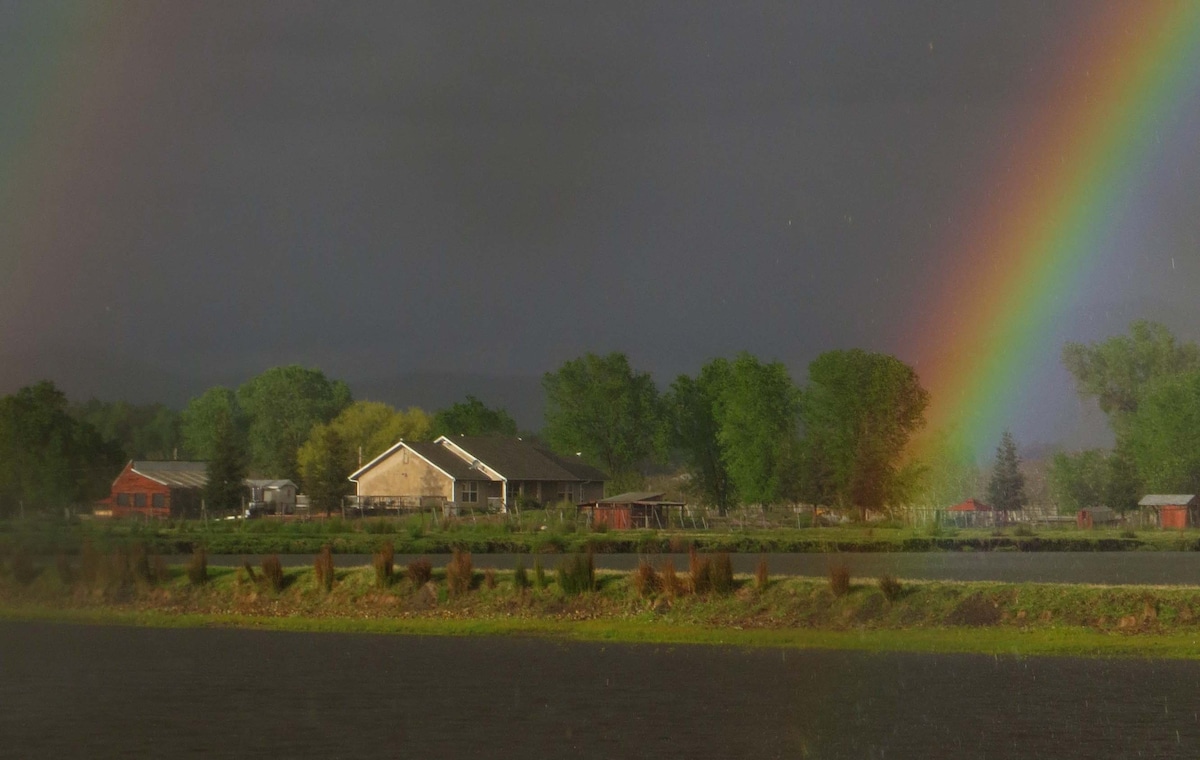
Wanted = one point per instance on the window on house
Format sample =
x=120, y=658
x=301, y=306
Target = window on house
x=122, y=500
x=139, y=500
x=469, y=492
x=566, y=492
x=158, y=500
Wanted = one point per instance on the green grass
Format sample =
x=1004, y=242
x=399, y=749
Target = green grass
x=925, y=616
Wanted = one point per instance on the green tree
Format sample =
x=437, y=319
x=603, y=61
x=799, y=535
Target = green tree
x=1163, y=438
x=473, y=417
x=1116, y=371
x=1080, y=480
x=599, y=406
x=862, y=408
x=949, y=472
x=364, y=430
x=226, y=470
x=199, y=422
x=691, y=410
x=756, y=414
x=282, y=406
x=1123, y=486
x=150, y=431
x=1006, y=489
x=325, y=464
x=49, y=459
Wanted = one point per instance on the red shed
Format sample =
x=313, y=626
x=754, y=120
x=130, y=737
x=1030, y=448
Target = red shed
x=1170, y=510
x=158, y=489
x=631, y=510
x=970, y=513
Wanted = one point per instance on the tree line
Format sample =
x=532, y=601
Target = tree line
x=740, y=430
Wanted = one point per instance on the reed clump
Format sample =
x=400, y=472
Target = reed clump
x=698, y=572
x=892, y=589
x=720, y=574
x=420, y=572
x=539, y=574
x=645, y=579
x=197, y=568
x=489, y=578
x=323, y=568
x=672, y=584
x=577, y=574
x=384, y=563
x=839, y=579
x=520, y=575
x=762, y=575
x=272, y=570
x=459, y=573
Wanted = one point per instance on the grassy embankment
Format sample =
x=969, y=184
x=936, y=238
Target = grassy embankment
x=866, y=614
x=541, y=532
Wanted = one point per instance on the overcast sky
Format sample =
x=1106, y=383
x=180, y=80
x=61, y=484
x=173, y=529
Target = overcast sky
x=210, y=189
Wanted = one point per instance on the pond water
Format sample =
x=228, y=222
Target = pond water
x=107, y=692
x=1142, y=568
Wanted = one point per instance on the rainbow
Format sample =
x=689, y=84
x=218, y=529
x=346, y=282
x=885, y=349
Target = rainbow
x=1035, y=241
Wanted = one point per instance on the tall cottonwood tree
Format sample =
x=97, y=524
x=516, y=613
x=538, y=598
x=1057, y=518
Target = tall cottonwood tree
x=862, y=408
x=599, y=406
x=282, y=406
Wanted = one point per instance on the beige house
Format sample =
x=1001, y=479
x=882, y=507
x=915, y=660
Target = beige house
x=473, y=471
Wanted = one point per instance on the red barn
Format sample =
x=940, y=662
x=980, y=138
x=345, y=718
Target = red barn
x=158, y=489
x=631, y=510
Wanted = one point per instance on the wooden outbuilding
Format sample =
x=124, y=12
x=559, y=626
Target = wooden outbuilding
x=637, y=509
x=157, y=489
x=1092, y=517
x=1176, y=511
x=970, y=514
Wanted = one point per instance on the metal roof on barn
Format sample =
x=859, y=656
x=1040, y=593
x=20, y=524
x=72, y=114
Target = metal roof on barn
x=970, y=505
x=174, y=474
x=1167, y=500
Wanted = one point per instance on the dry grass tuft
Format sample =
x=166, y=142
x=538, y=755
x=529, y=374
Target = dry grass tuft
x=197, y=569
x=839, y=579
x=460, y=573
x=384, y=562
x=272, y=570
x=420, y=572
x=762, y=575
x=645, y=580
x=323, y=568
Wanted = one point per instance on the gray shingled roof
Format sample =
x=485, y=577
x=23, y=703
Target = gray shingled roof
x=446, y=460
x=516, y=459
x=174, y=474
x=1167, y=500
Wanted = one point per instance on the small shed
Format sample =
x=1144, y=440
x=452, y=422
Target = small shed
x=1091, y=517
x=637, y=509
x=970, y=514
x=272, y=497
x=1170, y=510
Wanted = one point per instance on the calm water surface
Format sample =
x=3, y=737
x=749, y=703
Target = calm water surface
x=69, y=691
x=1141, y=568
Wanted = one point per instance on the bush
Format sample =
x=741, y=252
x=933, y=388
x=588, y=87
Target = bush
x=415, y=527
x=599, y=527
x=62, y=563
x=23, y=569
x=273, y=572
x=89, y=563
x=645, y=580
x=672, y=586
x=839, y=579
x=197, y=569
x=720, y=574
x=1023, y=530
x=420, y=572
x=379, y=527
x=323, y=568
x=520, y=576
x=1129, y=534
x=539, y=574
x=159, y=569
x=489, y=578
x=891, y=588
x=384, y=562
x=762, y=575
x=139, y=563
x=577, y=574
x=698, y=571
x=459, y=573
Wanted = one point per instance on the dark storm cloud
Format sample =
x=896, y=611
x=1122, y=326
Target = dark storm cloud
x=498, y=187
